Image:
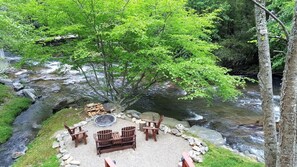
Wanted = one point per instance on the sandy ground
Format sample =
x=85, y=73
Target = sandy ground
x=166, y=152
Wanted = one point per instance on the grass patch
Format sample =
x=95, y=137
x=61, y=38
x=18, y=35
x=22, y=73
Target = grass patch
x=221, y=157
x=5, y=93
x=40, y=151
x=11, y=107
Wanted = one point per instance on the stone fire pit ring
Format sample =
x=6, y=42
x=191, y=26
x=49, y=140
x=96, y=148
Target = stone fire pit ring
x=105, y=120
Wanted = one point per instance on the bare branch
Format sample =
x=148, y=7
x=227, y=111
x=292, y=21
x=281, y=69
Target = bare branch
x=275, y=18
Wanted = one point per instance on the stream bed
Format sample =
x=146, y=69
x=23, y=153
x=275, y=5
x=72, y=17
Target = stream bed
x=239, y=121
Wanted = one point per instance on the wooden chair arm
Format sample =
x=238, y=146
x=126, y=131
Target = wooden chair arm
x=80, y=132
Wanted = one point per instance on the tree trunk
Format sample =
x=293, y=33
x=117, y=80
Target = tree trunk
x=288, y=101
x=265, y=83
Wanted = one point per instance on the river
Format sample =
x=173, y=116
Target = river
x=237, y=121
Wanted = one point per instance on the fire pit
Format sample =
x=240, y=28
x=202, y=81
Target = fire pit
x=105, y=120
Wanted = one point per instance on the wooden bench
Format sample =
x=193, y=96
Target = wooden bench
x=108, y=141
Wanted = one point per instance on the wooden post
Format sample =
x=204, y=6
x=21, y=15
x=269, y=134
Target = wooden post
x=109, y=163
x=141, y=125
x=187, y=161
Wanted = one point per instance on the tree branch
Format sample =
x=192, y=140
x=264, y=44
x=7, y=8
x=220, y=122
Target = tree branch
x=274, y=17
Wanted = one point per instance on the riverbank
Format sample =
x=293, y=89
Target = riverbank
x=10, y=107
x=41, y=153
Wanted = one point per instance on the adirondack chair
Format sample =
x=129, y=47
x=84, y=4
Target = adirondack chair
x=129, y=136
x=77, y=134
x=153, y=126
x=103, y=140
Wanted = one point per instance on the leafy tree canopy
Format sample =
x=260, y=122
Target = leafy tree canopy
x=132, y=44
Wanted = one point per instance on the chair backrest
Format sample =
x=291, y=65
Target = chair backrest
x=71, y=132
x=104, y=134
x=104, y=138
x=160, y=120
x=128, y=133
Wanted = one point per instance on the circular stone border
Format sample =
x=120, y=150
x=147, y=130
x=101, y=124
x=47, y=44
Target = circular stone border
x=105, y=123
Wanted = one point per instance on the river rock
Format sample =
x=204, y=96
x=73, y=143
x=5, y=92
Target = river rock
x=171, y=122
x=208, y=135
x=150, y=116
x=16, y=155
x=133, y=113
x=36, y=126
x=17, y=86
x=111, y=107
x=29, y=93
x=6, y=81
x=23, y=71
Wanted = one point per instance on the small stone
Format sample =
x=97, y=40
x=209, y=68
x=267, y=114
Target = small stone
x=59, y=156
x=180, y=127
x=197, y=159
x=133, y=120
x=178, y=134
x=195, y=156
x=191, y=141
x=203, y=144
x=74, y=162
x=65, y=157
x=63, y=151
x=174, y=131
x=185, y=136
x=196, y=148
x=69, y=160
x=61, y=143
x=16, y=155
x=58, y=136
x=62, y=163
x=198, y=142
x=55, y=144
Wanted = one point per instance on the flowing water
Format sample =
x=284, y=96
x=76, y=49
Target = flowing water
x=238, y=121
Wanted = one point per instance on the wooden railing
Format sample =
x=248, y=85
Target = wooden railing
x=109, y=163
x=187, y=161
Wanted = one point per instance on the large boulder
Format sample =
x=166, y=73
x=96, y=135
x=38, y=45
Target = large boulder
x=207, y=135
x=171, y=122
